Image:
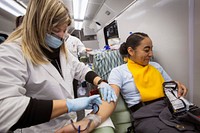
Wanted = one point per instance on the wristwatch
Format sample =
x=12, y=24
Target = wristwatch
x=101, y=80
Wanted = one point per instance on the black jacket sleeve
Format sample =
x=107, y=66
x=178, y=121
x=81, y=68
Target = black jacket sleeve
x=90, y=76
x=37, y=112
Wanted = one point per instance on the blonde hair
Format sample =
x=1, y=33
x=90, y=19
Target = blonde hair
x=40, y=18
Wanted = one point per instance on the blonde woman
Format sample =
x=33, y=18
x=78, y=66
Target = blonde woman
x=36, y=74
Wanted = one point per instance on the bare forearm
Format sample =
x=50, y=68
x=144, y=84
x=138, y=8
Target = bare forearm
x=59, y=108
x=96, y=80
x=105, y=110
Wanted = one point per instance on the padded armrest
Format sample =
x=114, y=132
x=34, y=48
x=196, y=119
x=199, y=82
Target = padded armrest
x=121, y=105
x=104, y=130
x=121, y=117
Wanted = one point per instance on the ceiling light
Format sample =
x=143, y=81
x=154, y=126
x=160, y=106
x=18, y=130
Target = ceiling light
x=78, y=25
x=79, y=9
x=107, y=12
x=12, y=7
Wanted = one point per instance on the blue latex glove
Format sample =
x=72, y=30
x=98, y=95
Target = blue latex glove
x=107, y=91
x=78, y=104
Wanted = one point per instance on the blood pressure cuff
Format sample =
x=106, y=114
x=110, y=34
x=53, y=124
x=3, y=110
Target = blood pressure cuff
x=181, y=108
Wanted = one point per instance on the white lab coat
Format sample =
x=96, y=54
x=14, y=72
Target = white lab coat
x=20, y=79
x=75, y=46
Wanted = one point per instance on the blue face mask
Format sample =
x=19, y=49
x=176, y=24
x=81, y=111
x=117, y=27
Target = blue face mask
x=53, y=42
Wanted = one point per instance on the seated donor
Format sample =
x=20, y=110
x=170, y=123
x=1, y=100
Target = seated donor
x=140, y=83
x=36, y=74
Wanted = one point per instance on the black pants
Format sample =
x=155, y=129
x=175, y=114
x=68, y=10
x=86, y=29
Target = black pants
x=156, y=118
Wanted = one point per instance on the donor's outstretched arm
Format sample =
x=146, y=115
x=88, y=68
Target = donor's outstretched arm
x=91, y=121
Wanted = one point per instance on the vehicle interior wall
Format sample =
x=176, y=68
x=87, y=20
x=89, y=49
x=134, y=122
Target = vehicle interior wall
x=196, y=53
x=6, y=25
x=167, y=23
